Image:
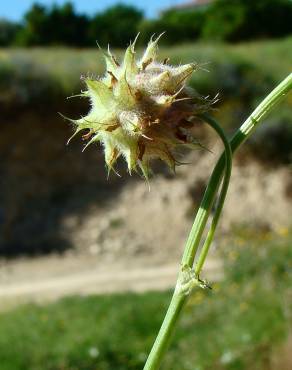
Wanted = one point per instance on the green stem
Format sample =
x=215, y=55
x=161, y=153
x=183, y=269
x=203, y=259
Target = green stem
x=162, y=341
x=179, y=297
x=274, y=98
x=166, y=331
x=220, y=203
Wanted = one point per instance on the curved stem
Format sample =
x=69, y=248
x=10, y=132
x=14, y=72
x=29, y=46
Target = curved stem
x=220, y=203
x=178, y=300
x=241, y=135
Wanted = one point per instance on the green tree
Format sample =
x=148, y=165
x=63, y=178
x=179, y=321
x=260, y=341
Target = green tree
x=247, y=19
x=8, y=31
x=117, y=25
x=178, y=25
x=34, y=31
x=67, y=27
x=53, y=26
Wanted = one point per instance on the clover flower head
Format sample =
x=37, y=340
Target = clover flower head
x=141, y=109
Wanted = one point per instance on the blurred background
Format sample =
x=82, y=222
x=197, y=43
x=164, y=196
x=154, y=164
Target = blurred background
x=85, y=259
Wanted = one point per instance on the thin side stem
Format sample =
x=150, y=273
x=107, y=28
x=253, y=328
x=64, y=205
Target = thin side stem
x=220, y=203
x=203, y=213
x=162, y=341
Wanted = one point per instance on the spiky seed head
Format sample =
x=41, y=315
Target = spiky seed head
x=140, y=109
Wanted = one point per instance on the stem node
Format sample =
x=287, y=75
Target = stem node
x=188, y=280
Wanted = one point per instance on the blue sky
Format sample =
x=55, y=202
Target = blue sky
x=14, y=9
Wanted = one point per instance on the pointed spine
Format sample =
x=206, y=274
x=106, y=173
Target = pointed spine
x=151, y=51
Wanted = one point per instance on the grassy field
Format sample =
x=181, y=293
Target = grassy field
x=241, y=324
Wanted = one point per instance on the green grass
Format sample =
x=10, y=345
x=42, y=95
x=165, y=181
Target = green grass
x=238, y=325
